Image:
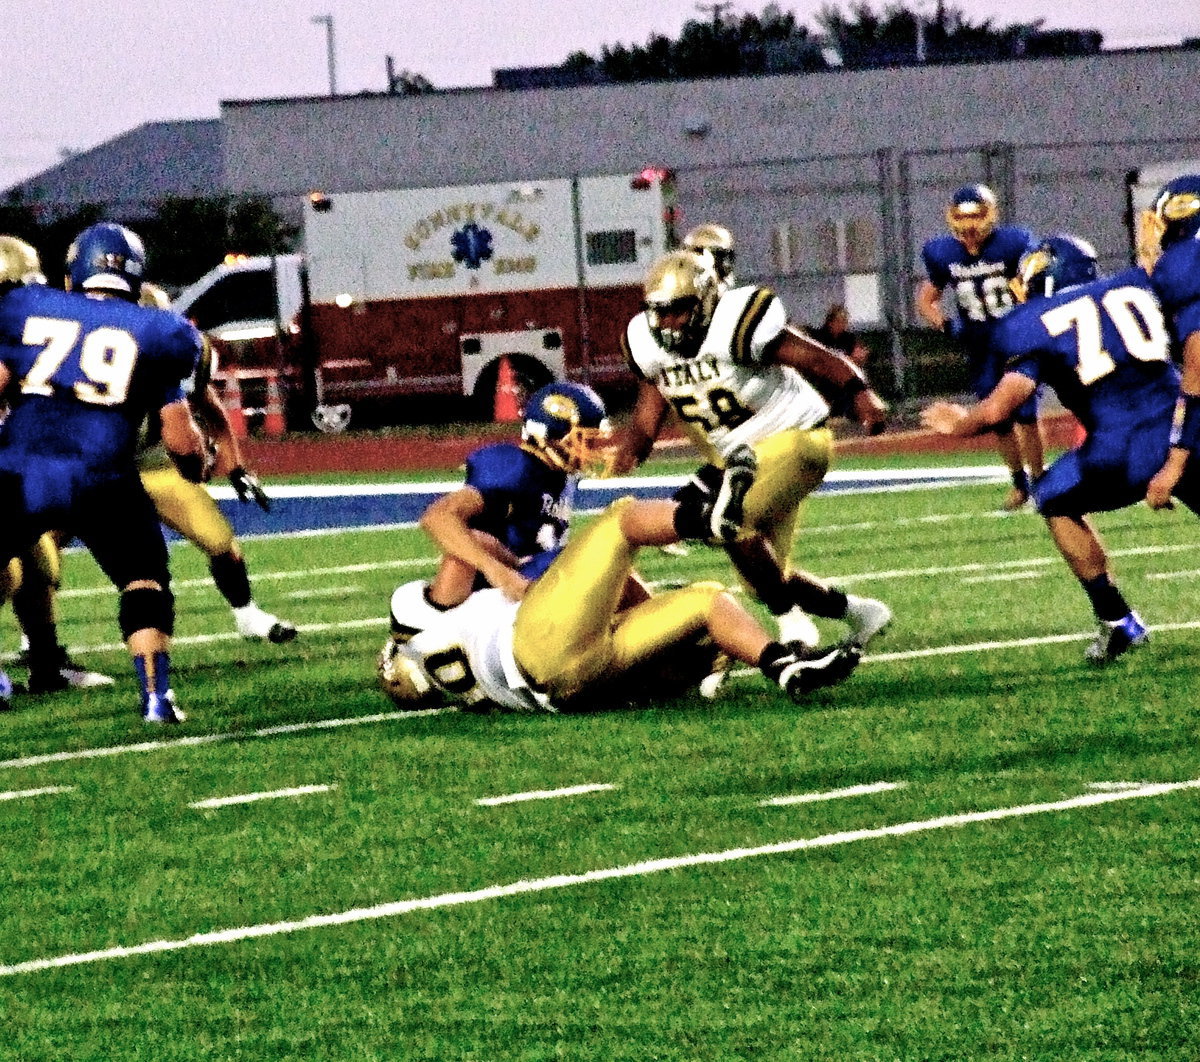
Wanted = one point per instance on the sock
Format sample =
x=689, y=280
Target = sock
x=1107, y=601
x=772, y=659
x=230, y=575
x=817, y=600
x=154, y=675
x=1020, y=480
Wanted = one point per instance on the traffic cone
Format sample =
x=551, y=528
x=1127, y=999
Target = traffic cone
x=508, y=395
x=273, y=420
x=233, y=406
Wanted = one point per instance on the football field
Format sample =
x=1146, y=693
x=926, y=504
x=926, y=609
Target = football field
x=977, y=847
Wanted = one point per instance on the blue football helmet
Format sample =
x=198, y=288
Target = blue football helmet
x=567, y=426
x=1056, y=263
x=107, y=257
x=973, y=213
x=1177, y=207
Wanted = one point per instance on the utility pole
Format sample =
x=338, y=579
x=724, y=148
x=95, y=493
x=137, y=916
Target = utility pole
x=716, y=10
x=327, y=21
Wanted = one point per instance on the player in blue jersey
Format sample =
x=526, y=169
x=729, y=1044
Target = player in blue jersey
x=508, y=521
x=1104, y=346
x=81, y=370
x=1169, y=243
x=975, y=263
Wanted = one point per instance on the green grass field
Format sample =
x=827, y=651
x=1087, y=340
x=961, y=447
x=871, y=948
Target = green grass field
x=1014, y=877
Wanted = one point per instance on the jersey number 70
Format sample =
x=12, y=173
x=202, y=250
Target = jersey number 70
x=1134, y=312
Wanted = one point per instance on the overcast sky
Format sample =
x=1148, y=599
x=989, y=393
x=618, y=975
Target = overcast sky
x=83, y=71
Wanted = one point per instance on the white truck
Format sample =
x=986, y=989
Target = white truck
x=424, y=291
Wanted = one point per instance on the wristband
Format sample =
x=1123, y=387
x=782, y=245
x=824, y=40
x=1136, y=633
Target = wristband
x=1185, y=428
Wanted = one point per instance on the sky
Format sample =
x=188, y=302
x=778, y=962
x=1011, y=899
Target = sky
x=84, y=71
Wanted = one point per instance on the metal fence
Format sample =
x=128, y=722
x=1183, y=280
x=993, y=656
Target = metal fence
x=828, y=228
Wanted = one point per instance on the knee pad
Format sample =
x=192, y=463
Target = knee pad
x=144, y=608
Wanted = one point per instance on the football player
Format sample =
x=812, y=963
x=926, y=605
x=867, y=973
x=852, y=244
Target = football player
x=1103, y=345
x=1169, y=239
x=188, y=508
x=81, y=370
x=975, y=262
x=738, y=377
x=32, y=581
x=508, y=520
x=569, y=636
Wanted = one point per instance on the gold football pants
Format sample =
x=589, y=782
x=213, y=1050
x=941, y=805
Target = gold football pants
x=567, y=633
x=791, y=465
x=188, y=509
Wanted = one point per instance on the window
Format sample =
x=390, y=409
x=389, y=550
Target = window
x=616, y=247
x=245, y=296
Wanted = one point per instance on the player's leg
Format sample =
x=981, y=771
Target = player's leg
x=188, y=509
x=35, y=606
x=119, y=526
x=1080, y=482
x=792, y=465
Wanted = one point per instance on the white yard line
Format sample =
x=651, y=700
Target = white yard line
x=50, y=790
x=831, y=794
x=562, y=881
x=544, y=794
x=250, y=798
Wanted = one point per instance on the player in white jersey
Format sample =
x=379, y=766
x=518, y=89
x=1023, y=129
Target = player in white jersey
x=571, y=639
x=736, y=374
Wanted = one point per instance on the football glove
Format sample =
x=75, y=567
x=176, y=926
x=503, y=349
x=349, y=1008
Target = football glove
x=249, y=489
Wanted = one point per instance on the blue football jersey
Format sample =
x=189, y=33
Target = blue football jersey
x=87, y=371
x=527, y=504
x=1103, y=346
x=1176, y=278
x=979, y=283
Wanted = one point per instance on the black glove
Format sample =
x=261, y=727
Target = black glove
x=249, y=489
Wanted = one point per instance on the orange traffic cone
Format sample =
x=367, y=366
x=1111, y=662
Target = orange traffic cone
x=273, y=419
x=233, y=406
x=508, y=396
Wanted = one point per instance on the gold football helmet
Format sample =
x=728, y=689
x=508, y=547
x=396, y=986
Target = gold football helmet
x=19, y=263
x=972, y=215
x=717, y=242
x=680, y=283
x=400, y=677
x=153, y=296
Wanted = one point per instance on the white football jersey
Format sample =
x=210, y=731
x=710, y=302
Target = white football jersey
x=467, y=653
x=729, y=394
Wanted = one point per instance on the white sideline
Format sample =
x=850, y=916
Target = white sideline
x=250, y=798
x=561, y=881
x=544, y=794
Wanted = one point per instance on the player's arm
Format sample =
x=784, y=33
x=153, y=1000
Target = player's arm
x=184, y=441
x=831, y=372
x=447, y=522
x=928, y=303
x=949, y=418
x=1185, y=435
x=636, y=438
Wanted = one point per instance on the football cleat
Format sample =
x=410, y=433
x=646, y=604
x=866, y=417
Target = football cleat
x=803, y=670
x=255, y=624
x=1116, y=638
x=727, y=512
x=64, y=675
x=797, y=627
x=6, y=691
x=866, y=618
x=162, y=709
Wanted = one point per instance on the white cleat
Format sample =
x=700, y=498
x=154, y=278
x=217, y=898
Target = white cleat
x=255, y=624
x=866, y=618
x=796, y=625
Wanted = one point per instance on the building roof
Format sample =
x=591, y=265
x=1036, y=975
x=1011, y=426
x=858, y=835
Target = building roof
x=132, y=172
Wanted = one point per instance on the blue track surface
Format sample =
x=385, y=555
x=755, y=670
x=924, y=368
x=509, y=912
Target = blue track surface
x=369, y=505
